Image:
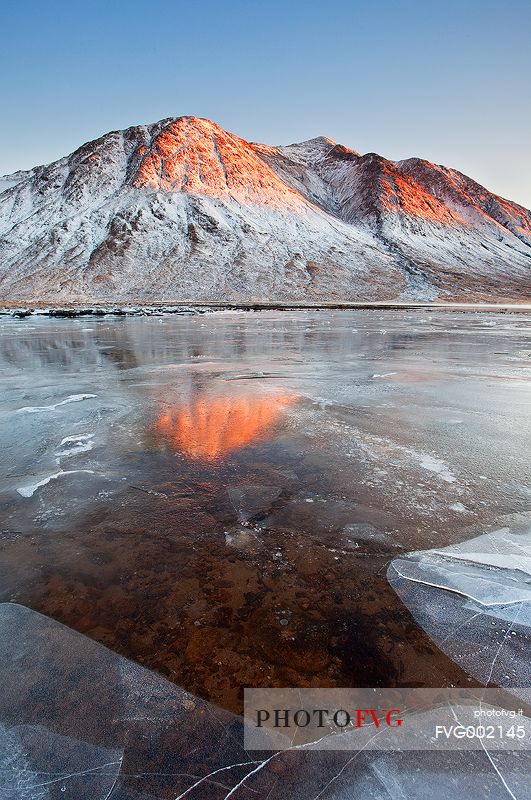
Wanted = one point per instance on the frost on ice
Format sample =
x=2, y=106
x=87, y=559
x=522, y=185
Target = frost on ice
x=29, y=491
x=73, y=398
x=73, y=445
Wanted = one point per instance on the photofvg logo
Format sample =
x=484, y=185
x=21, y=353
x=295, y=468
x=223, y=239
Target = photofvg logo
x=324, y=718
x=387, y=719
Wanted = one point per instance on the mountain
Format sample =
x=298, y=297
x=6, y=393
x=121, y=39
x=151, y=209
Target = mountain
x=183, y=210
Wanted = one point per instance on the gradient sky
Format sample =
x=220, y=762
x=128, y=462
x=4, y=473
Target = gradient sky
x=447, y=81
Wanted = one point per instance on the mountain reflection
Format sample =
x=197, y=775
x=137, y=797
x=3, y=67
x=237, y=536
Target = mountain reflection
x=208, y=427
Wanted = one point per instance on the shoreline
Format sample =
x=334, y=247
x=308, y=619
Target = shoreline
x=75, y=309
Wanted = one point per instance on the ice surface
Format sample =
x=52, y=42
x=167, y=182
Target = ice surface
x=82, y=723
x=181, y=552
x=474, y=600
x=36, y=763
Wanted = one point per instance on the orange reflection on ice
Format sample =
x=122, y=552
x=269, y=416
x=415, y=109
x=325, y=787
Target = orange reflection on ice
x=208, y=428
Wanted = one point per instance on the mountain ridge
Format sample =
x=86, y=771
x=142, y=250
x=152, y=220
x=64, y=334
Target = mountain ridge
x=184, y=208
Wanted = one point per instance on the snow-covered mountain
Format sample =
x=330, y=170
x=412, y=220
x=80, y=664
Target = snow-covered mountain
x=183, y=210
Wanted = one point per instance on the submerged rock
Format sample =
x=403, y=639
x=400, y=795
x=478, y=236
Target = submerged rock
x=253, y=501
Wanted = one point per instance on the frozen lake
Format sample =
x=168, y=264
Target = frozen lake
x=221, y=497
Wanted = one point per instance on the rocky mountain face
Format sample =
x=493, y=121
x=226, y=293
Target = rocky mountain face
x=182, y=210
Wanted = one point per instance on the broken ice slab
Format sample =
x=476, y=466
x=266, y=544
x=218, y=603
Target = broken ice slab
x=474, y=600
x=79, y=722
x=493, y=569
x=479, y=582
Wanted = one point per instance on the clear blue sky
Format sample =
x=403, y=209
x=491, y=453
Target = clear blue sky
x=448, y=81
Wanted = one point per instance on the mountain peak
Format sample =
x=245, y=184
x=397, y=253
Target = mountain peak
x=317, y=141
x=310, y=151
x=189, y=121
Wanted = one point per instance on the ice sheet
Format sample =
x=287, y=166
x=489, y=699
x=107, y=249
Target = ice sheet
x=152, y=555
x=82, y=723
